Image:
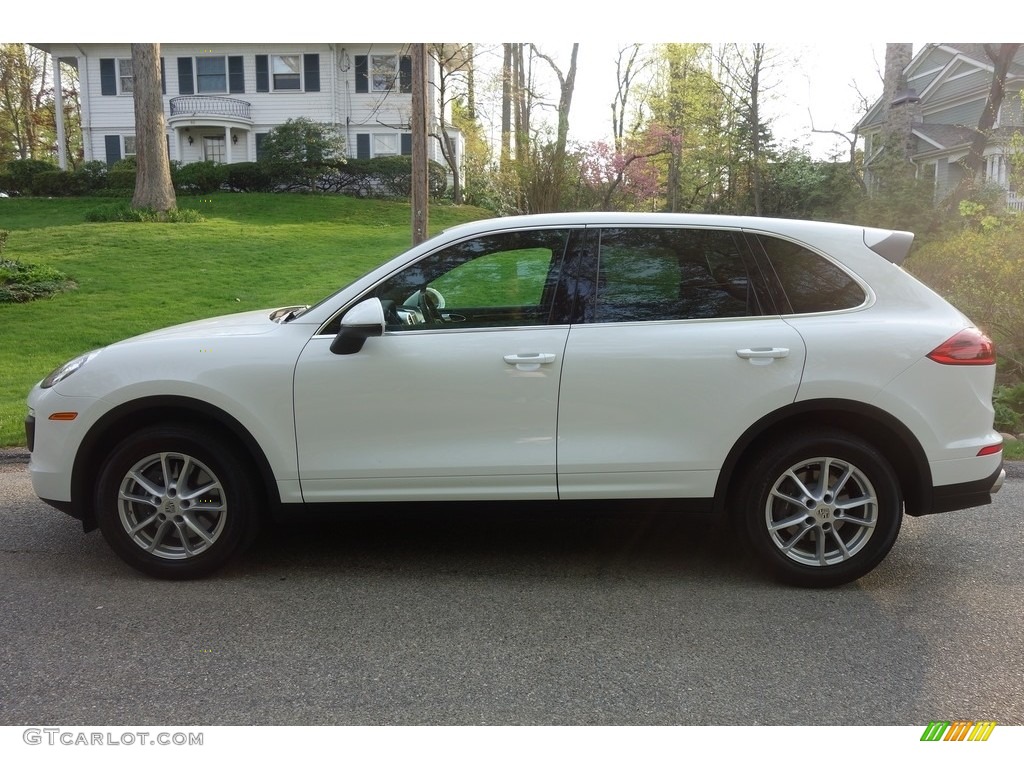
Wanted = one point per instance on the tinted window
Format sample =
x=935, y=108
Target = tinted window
x=811, y=282
x=670, y=274
x=496, y=280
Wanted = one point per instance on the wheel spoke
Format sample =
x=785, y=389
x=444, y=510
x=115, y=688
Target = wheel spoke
x=190, y=494
x=147, y=485
x=863, y=501
x=787, y=498
x=133, y=499
x=788, y=522
x=800, y=484
x=788, y=546
x=158, y=538
x=190, y=521
x=139, y=526
x=840, y=544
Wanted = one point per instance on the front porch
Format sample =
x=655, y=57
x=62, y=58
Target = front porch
x=212, y=128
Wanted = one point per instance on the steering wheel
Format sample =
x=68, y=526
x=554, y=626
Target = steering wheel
x=429, y=301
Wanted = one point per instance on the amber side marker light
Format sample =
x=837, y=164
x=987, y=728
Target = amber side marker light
x=63, y=416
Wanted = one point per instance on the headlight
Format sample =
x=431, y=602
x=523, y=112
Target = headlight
x=67, y=369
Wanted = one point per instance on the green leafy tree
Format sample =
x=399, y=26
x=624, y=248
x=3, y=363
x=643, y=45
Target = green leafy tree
x=26, y=126
x=301, y=150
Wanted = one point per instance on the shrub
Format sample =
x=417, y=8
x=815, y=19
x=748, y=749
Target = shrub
x=1009, y=405
x=382, y=177
x=20, y=282
x=248, y=177
x=57, y=184
x=121, y=180
x=92, y=177
x=982, y=273
x=20, y=174
x=200, y=178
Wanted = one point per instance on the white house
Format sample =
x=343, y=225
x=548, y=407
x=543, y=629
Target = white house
x=220, y=100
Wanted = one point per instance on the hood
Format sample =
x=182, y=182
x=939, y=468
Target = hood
x=252, y=323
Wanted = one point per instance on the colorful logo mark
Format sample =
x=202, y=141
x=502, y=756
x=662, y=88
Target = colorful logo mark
x=958, y=730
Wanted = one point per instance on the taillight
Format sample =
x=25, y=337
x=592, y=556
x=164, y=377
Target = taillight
x=969, y=347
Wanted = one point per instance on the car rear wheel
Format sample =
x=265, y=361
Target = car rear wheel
x=821, y=510
x=174, y=501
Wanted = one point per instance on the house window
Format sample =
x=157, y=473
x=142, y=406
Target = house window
x=129, y=146
x=215, y=149
x=385, y=144
x=126, y=75
x=383, y=72
x=287, y=72
x=211, y=74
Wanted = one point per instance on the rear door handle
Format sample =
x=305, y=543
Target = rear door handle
x=761, y=353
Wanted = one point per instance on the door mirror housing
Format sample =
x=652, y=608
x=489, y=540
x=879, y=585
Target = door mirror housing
x=364, y=320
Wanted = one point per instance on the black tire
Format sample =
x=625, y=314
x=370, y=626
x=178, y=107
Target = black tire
x=188, y=526
x=838, y=530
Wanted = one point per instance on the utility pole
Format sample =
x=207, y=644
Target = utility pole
x=420, y=186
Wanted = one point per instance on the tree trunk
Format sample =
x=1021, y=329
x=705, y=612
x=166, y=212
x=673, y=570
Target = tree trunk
x=153, y=187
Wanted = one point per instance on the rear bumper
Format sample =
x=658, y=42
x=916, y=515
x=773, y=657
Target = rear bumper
x=978, y=493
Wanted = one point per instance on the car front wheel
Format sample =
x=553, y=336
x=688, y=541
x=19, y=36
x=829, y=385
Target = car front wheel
x=821, y=510
x=174, y=502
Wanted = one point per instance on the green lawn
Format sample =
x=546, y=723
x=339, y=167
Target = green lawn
x=252, y=251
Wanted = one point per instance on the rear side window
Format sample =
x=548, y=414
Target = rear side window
x=647, y=274
x=811, y=282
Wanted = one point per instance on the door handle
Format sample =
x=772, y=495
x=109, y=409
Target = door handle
x=530, y=361
x=761, y=353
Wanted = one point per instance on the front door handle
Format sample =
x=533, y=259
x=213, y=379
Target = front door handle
x=761, y=353
x=530, y=361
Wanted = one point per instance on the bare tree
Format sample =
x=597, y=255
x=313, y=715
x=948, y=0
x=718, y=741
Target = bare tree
x=628, y=66
x=153, y=187
x=747, y=82
x=454, y=63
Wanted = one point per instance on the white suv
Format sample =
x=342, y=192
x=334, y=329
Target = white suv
x=786, y=373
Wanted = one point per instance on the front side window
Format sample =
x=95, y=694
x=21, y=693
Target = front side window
x=496, y=280
x=211, y=74
x=649, y=274
x=811, y=282
x=286, y=72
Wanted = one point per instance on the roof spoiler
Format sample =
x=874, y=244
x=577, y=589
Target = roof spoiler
x=891, y=245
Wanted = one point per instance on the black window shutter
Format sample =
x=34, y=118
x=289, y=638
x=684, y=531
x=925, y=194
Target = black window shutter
x=259, y=145
x=163, y=77
x=362, y=74
x=186, y=85
x=406, y=143
x=113, y=147
x=263, y=74
x=236, y=75
x=405, y=74
x=362, y=146
x=311, y=70
x=108, y=77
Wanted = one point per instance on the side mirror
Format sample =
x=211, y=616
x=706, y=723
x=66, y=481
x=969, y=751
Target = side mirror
x=364, y=320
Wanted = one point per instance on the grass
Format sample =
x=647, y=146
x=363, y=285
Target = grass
x=251, y=252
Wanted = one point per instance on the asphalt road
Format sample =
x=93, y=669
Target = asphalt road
x=534, y=618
